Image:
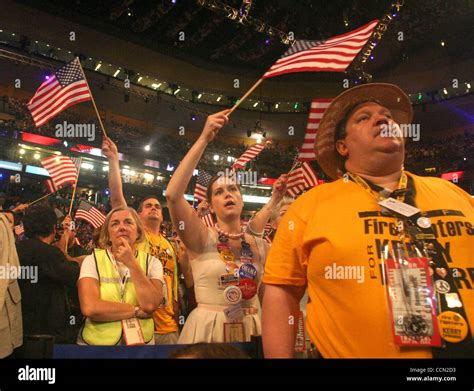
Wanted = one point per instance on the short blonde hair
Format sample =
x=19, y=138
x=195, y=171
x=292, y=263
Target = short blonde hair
x=104, y=238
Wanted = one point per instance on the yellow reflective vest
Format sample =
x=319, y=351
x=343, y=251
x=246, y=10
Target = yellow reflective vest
x=110, y=333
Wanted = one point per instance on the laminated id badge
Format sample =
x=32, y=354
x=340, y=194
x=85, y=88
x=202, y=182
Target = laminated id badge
x=132, y=332
x=411, y=301
x=234, y=332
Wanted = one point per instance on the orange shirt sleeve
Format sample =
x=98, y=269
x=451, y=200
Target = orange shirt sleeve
x=461, y=192
x=286, y=263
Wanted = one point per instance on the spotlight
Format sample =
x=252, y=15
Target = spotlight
x=193, y=117
x=147, y=147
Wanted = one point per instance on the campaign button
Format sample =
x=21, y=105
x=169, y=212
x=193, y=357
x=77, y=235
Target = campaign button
x=423, y=222
x=248, y=288
x=231, y=267
x=442, y=286
x=228, y=279
x=223, y=238
x=245, y=245
x=223, y=247
x=246, y=253
x=452, y=326
x=232, y=295
x=441, y=271
x=227, y=256
x=247, y=270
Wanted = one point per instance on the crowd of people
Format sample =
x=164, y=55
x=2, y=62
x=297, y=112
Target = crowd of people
x=444, y=154
x=143, y=270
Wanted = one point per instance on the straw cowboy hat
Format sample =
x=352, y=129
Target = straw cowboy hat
x=387, y=95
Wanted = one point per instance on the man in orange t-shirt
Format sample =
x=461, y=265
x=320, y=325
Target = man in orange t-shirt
x=332, y=239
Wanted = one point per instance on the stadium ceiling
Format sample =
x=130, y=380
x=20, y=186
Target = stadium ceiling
x=215, y=34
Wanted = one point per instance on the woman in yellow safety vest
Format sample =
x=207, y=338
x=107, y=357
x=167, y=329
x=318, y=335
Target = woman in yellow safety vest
x=119, y=287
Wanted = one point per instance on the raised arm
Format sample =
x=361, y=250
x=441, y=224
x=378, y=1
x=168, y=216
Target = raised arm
x=110, y=150
x=191, y=229
x=256, y=225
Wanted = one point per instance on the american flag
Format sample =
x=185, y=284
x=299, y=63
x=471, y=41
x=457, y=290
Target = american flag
x=332, y=55
x=51, y=186
x=248, y=155
x=202, y=183
x=300, y=179
x=62, y=169
x=208, y=220
x=268, y=228
x=316, y=112
x=61, y=90
x=90, y=214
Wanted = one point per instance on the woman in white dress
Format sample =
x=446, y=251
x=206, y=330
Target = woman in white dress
x=227, y=263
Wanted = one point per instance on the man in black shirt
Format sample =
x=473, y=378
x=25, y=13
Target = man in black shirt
x=44, y=301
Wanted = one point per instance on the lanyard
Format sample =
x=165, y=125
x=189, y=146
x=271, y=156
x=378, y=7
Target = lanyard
x=442, y=278
x=123, y=280
x=380, y=196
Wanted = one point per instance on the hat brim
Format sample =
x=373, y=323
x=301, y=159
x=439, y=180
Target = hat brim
x=388, y=95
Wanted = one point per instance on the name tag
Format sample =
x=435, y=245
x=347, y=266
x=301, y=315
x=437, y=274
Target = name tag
x=132, y=332
x=412, y=303
x=399, y=207
x=234, y=332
